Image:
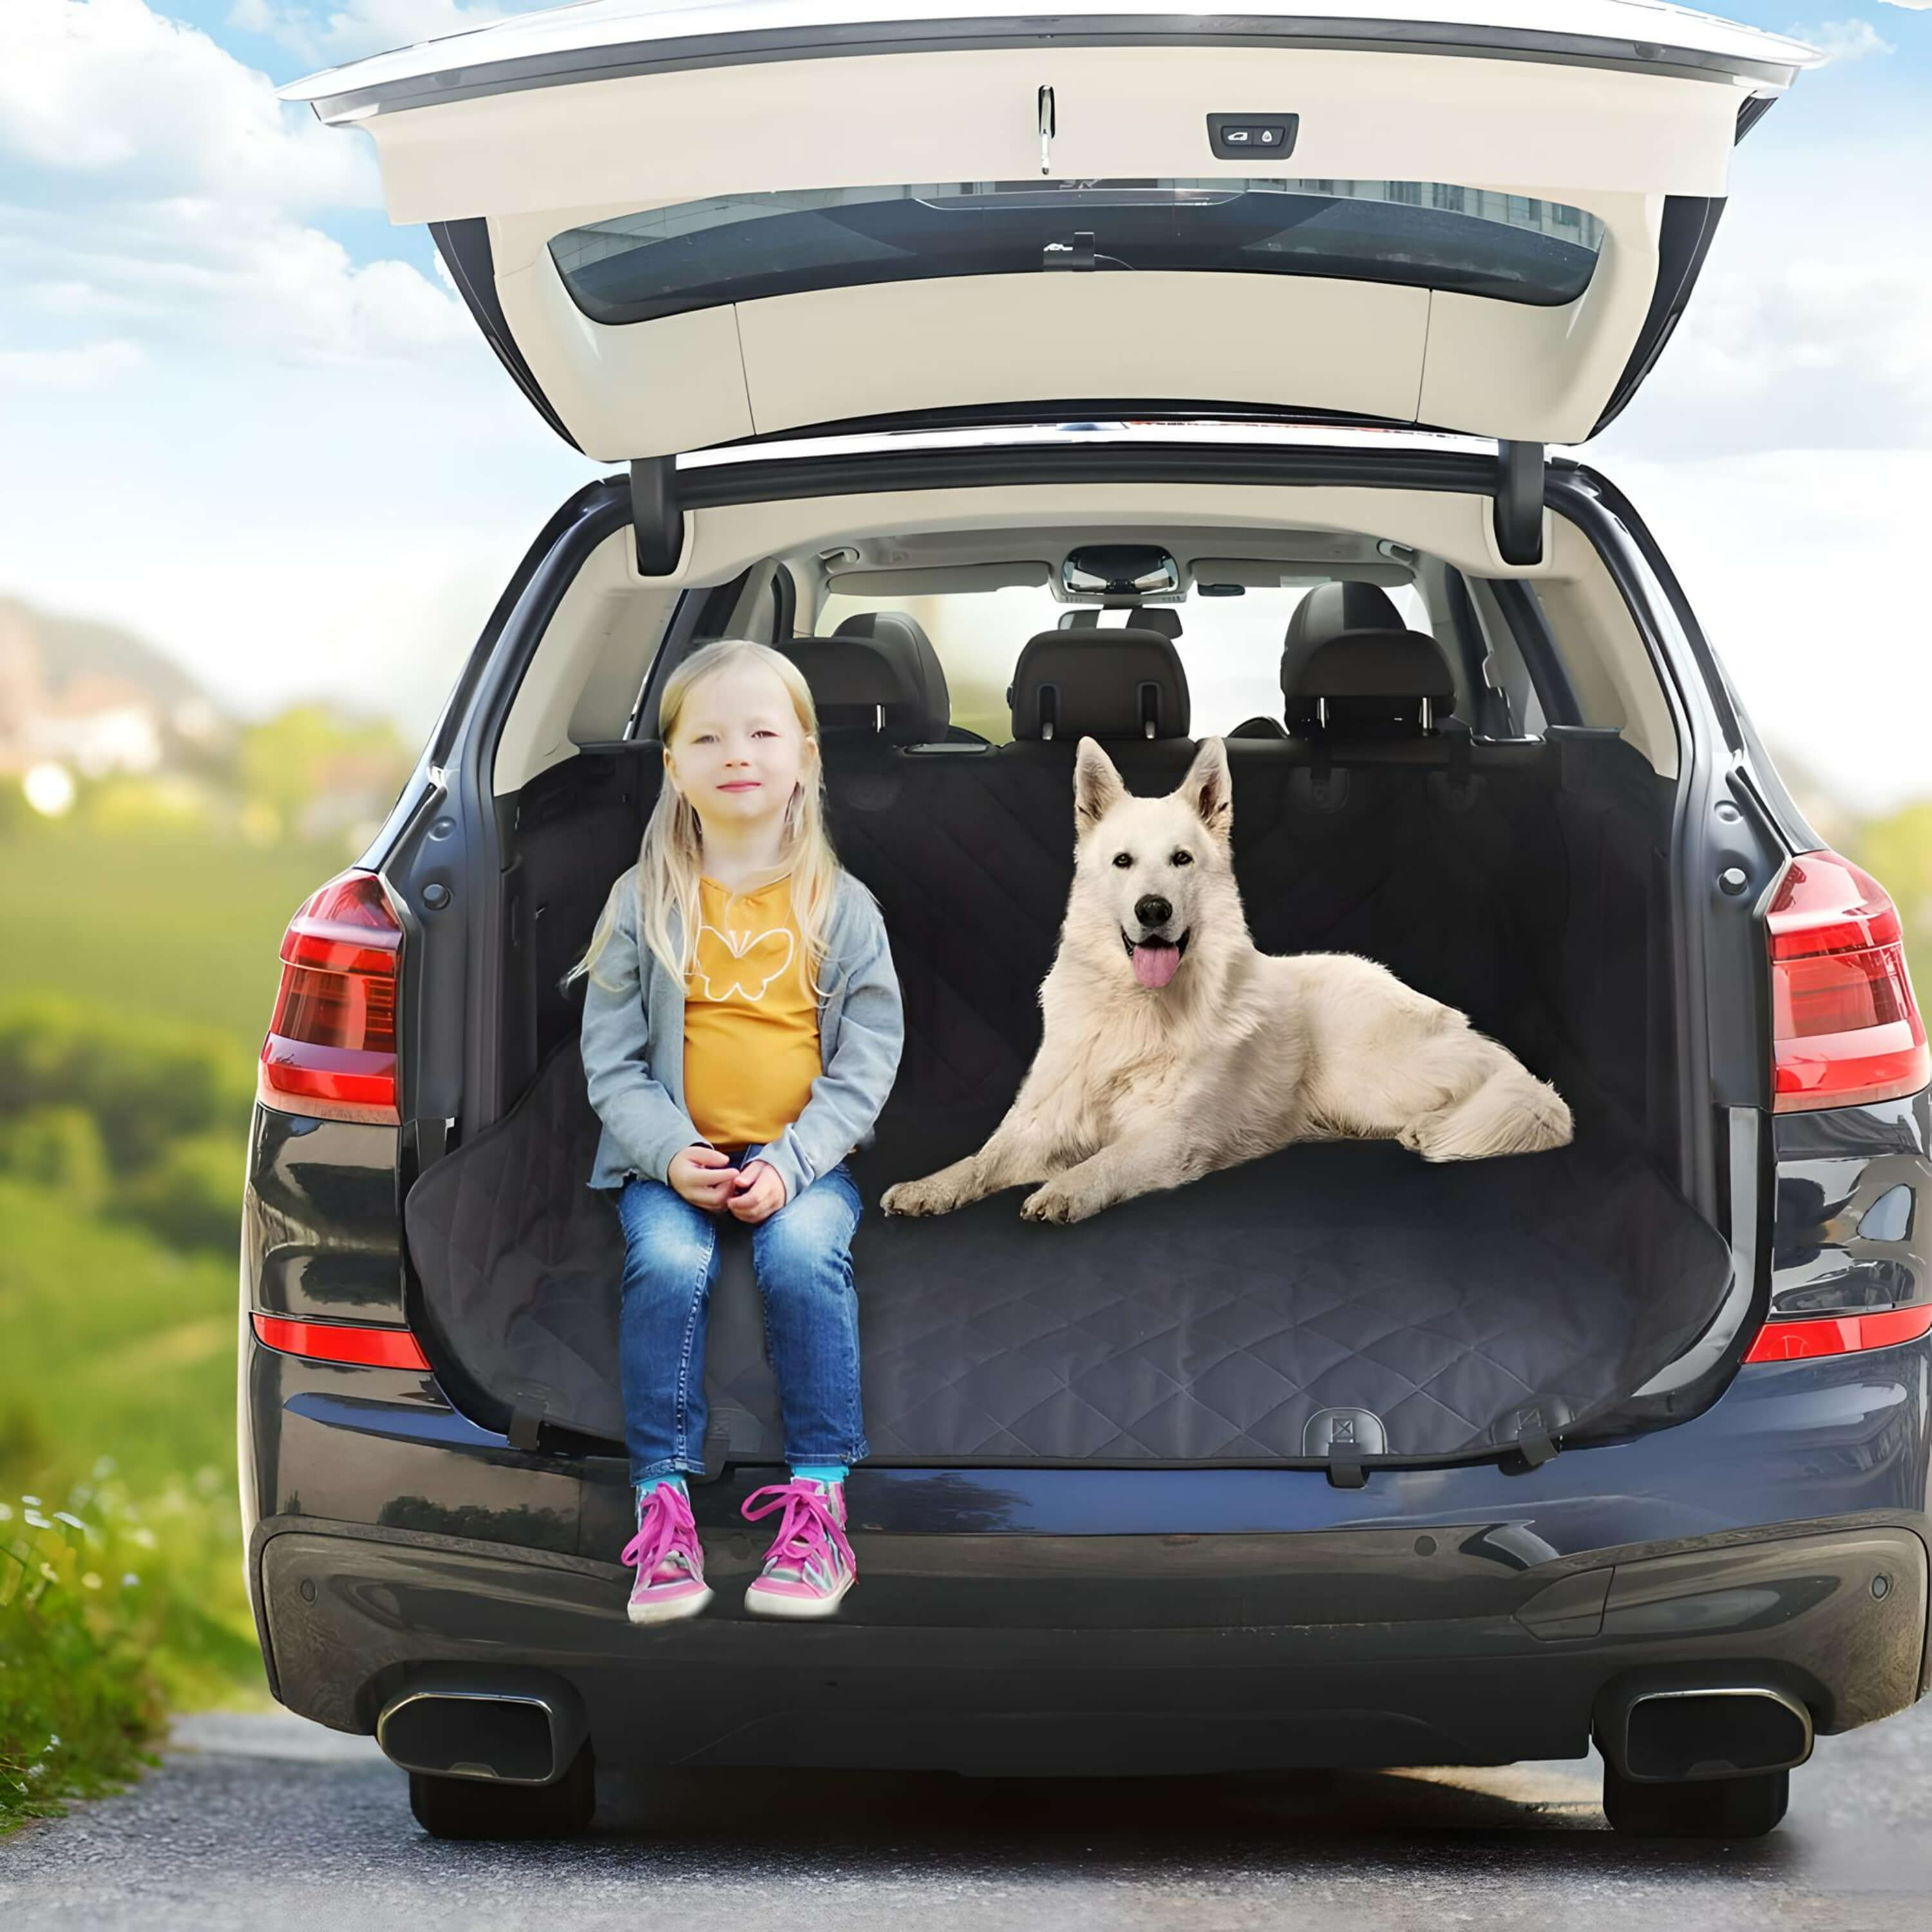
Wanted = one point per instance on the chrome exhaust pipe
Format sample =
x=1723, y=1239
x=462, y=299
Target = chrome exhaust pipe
x=1659, y=1733
x=502, y=1727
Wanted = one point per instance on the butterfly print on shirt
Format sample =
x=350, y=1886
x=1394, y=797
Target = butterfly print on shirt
x=741, y=962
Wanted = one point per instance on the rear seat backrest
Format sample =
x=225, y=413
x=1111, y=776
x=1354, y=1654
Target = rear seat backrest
x=1350, y=665
x=971, y=942
x=1357, y=684
x=877, y=679
x=1126, y=687
x=971, y=857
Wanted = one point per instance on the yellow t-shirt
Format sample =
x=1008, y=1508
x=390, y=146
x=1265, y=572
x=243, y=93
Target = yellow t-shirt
x=751, y=1024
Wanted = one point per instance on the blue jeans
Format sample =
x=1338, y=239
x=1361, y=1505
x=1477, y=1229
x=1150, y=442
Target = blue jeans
x=802, y=1257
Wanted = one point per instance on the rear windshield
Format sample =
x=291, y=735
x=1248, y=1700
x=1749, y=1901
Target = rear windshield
x=744, y=248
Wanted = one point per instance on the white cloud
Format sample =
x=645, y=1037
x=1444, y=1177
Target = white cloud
x=337, y=527
x=328, y=36
x=1811, y=350
x=113, y=93
x=1782, y=447
x=1845, y=40
x=1920, y=4
x=1785, y=556
x=337, y=530
x=67, y=369
x=160, y=183
x=198, y=274
x=1807, y=328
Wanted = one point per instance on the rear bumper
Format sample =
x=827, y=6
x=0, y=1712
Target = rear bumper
x=1143, y=1654
x=1069, y=1619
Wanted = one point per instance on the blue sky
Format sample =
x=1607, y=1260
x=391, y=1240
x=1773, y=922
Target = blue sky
x=241, y=412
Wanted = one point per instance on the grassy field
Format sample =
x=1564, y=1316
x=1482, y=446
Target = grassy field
x=181, y=927
x=145, y=966
x=120, y=1583
x=111, y=1345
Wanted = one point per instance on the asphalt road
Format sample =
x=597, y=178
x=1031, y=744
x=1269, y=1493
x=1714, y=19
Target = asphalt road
x=267, y=1822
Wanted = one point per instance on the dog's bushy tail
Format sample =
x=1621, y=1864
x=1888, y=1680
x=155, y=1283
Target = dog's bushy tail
x=1511, y=1112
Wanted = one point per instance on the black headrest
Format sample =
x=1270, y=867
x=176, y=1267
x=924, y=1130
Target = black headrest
x=878, y=660
x=1099, y=684
x=1348, y=645
x=1161, y=618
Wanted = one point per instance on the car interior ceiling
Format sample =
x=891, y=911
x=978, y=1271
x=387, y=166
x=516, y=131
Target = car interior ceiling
x=1523, y=879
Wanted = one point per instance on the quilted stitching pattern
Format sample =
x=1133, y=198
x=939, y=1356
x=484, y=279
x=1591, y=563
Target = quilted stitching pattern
x=1208, y=1324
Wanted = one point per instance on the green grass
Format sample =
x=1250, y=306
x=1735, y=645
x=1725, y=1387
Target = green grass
x=137, y=978
x=139, y=971
x=78, y=1704
x=117, y=1409
x=110, y=1345
x=180, y=926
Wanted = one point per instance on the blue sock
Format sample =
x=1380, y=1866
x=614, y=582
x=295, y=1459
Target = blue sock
x=819, y=1472
x=651, y=1482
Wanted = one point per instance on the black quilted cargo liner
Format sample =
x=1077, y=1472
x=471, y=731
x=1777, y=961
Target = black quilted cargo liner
x=1411, y=1311
x=1216, y=1323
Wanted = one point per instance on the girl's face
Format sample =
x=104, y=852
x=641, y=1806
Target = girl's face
x=737, y=751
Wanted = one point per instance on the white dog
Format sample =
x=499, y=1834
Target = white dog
x=1173, y=1047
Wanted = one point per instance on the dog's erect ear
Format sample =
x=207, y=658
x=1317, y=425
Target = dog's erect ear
x=1208, y=788
x=1097, y=788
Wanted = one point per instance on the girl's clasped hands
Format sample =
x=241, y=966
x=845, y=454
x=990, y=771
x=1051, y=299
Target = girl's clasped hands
x=706, y=1178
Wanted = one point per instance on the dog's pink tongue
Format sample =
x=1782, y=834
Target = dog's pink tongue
x=1154, y=964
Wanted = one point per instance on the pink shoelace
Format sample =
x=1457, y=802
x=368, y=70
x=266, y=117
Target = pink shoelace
x=808, y=1532
x=665, y=1526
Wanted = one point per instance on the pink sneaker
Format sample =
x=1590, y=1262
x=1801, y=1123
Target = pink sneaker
x=666, y=1556
x=809, y=1566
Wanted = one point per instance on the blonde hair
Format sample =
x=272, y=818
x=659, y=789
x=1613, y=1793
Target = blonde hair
x=671, y=858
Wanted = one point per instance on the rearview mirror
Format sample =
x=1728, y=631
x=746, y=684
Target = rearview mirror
x=1120, y=570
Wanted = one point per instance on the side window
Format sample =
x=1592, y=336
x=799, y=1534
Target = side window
x=1508, y=671
x=1407, y=598
x=976, y=638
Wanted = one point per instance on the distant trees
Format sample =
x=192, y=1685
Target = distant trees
x=1897, y=851
x=116, y=1113
x=318, y=772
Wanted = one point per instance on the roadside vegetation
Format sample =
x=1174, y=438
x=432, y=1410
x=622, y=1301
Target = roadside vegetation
x=138, y=977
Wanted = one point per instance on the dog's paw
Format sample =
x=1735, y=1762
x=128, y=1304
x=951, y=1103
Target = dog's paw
x=932, y=1195
x=1053, y=1202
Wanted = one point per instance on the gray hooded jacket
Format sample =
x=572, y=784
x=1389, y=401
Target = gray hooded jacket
x=633, y=1042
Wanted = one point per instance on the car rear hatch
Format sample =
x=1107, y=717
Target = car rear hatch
x=684, y=227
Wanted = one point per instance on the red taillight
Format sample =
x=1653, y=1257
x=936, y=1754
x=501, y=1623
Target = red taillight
x=1845, y=1026
x=331, y=1046
x=339, y=1342
x=1838, y=1334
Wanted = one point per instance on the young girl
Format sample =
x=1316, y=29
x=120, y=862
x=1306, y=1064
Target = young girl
x=741, y=1028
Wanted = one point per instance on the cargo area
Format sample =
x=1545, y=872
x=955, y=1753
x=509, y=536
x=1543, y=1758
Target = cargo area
x=1333, y=1300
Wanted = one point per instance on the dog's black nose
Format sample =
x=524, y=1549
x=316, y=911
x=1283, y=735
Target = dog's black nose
x=1153, y=910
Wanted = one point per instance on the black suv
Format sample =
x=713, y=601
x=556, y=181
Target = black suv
x=1336, y=1458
